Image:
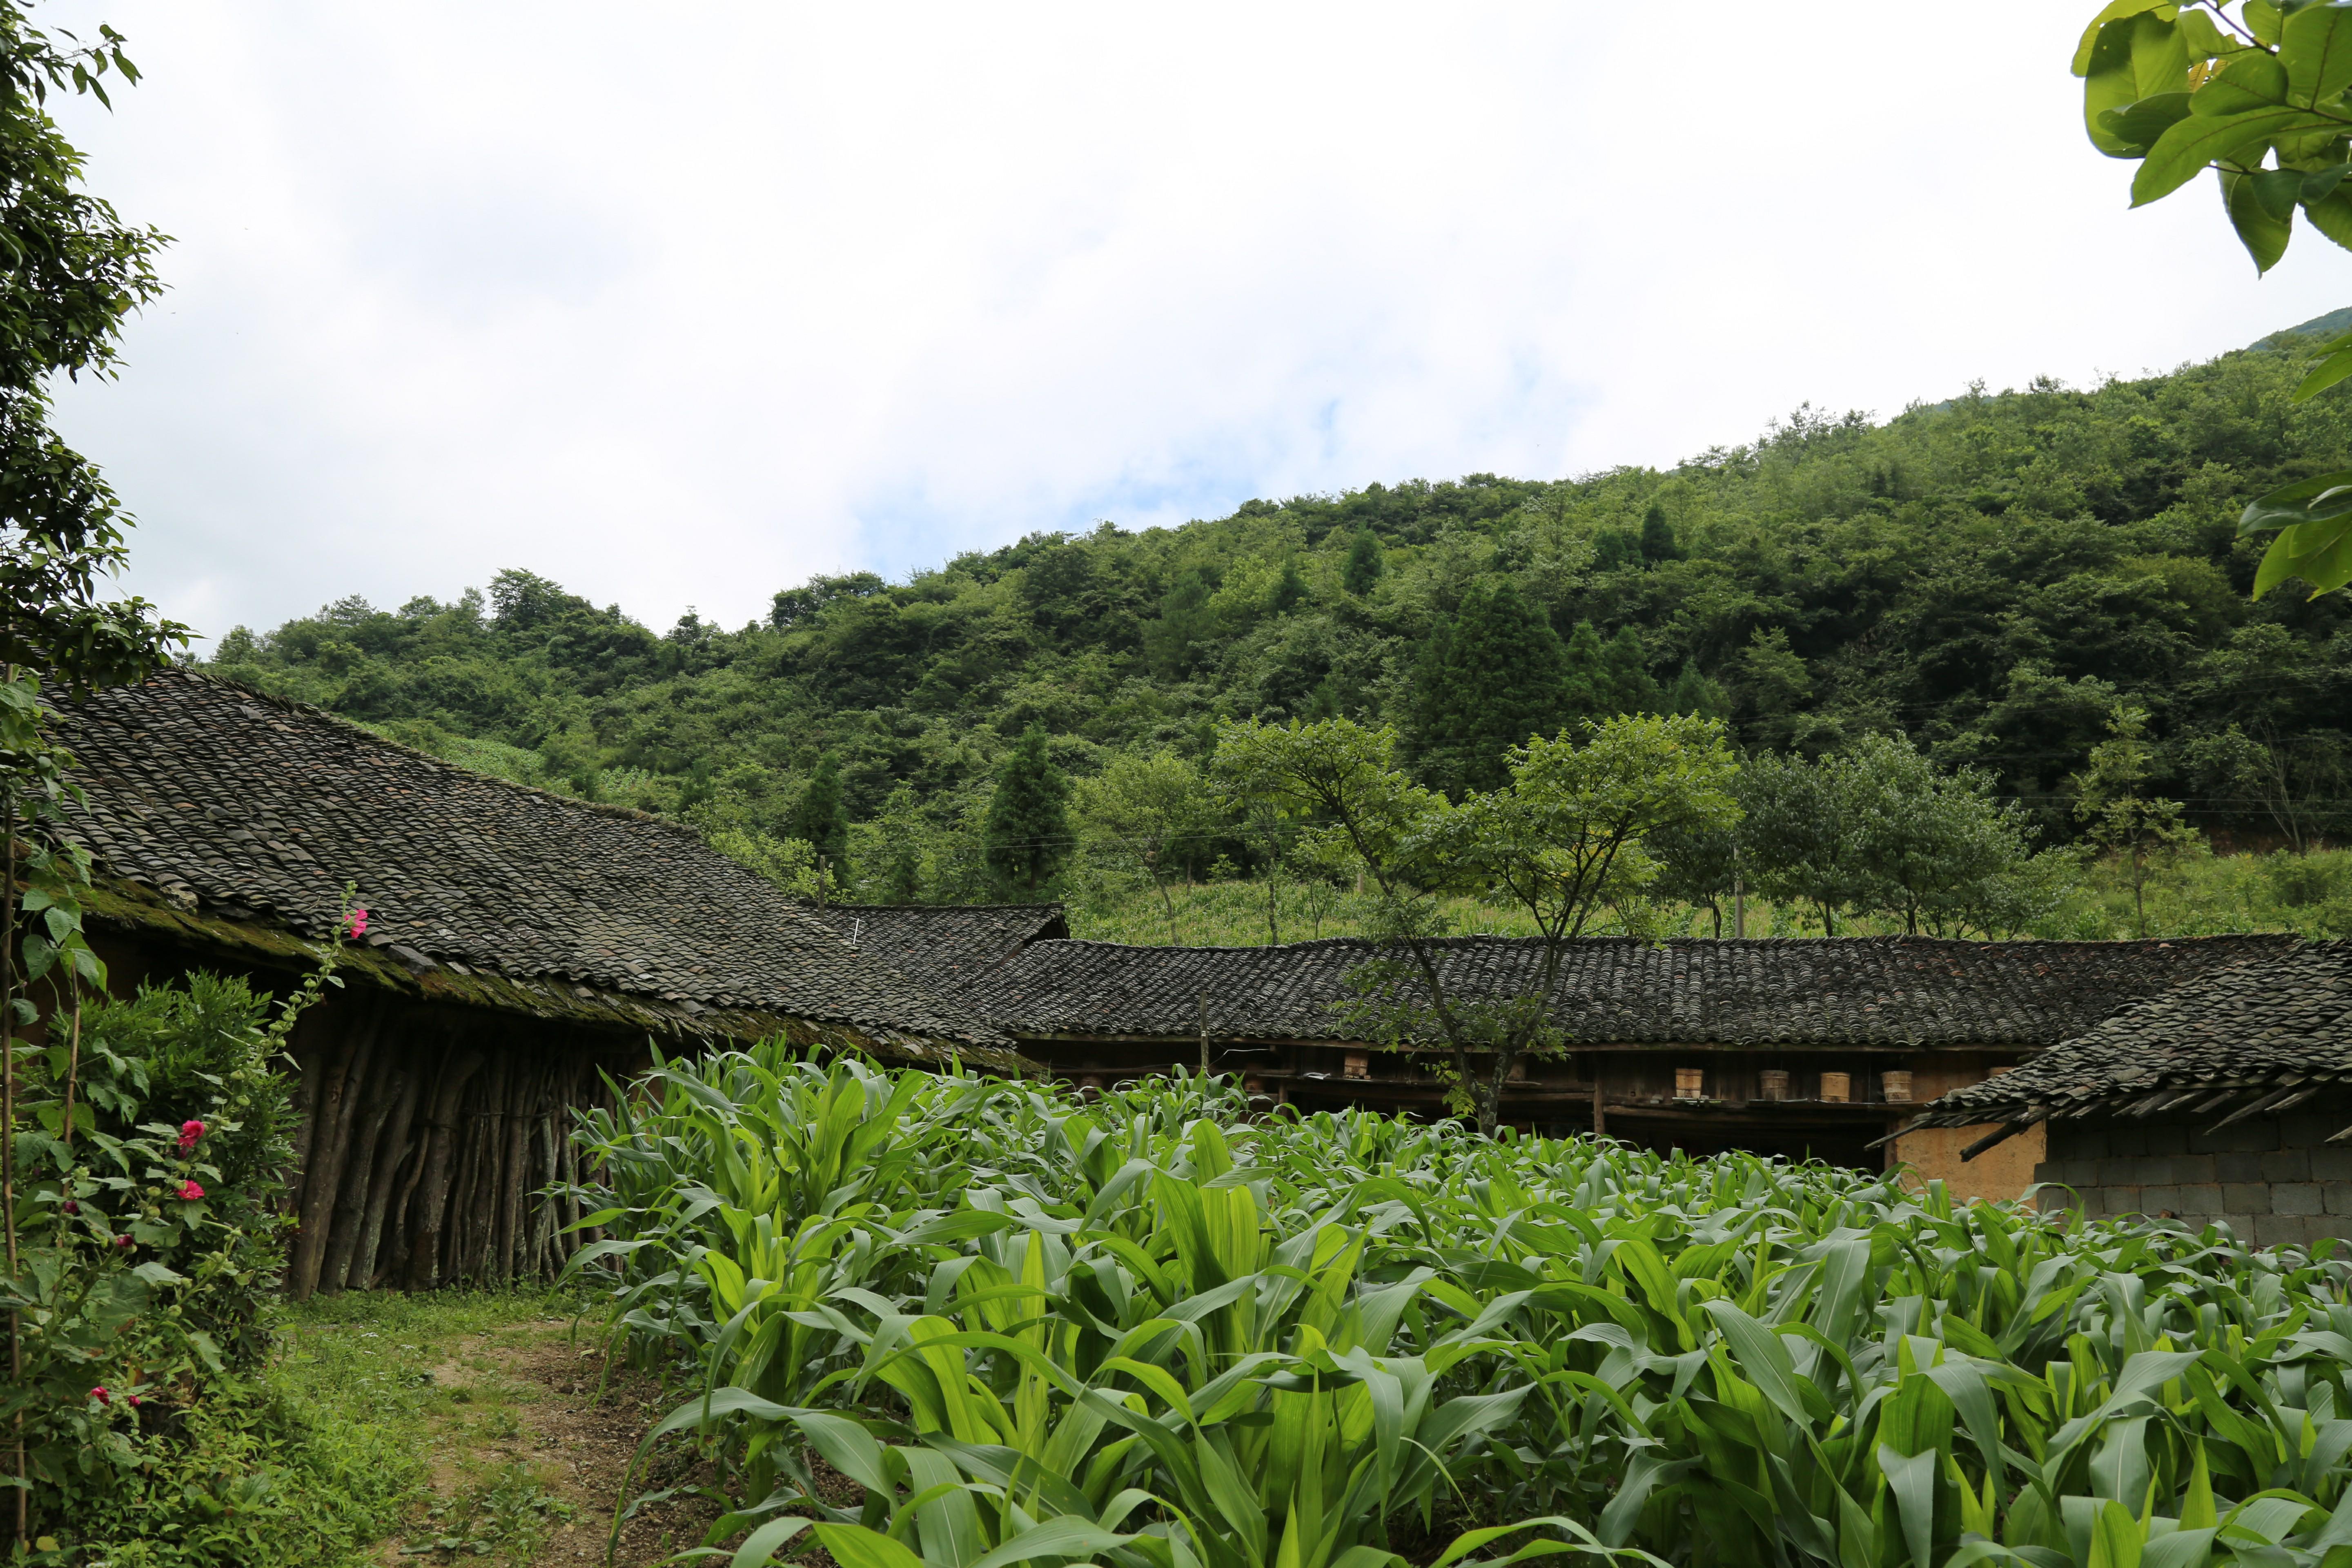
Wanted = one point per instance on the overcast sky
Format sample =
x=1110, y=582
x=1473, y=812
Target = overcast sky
x=678, y=305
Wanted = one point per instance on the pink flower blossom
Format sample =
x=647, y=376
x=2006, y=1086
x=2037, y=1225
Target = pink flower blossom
x=190, y=1192
x=135, y=1401
x=122, y=1243
x=358, y=921
x=101, y=1395
x=189, y=1132
x=71, y=1207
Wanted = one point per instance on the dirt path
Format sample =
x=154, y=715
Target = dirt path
x=529, y=1457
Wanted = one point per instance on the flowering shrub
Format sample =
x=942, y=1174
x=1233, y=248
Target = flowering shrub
x=153, y=1249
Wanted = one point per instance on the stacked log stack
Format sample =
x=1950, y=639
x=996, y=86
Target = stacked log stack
x=433, y=1151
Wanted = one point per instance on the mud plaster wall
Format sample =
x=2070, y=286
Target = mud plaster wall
x=2002, y=1172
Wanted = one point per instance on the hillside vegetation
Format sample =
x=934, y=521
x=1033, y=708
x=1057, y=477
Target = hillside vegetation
x=1990, y=575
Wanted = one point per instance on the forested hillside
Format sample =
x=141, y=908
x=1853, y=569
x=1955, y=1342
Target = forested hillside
x=1989, y=574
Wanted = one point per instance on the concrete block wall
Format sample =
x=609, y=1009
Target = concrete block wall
x=2277, y=1180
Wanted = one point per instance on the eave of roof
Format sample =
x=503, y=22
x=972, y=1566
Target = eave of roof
x=122, y=905
x=2260, y=1036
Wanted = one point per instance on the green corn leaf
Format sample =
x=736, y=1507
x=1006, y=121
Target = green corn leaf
x=1054, y=1539
x=1911, y=1482
x=2116, y=1538
x=761, y=1546
x=1762, y=1356
x=854, y=1546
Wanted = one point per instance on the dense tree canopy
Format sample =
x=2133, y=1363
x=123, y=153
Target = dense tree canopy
x=1988, y=576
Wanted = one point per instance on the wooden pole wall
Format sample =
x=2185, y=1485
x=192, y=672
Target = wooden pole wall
x=427, y=1148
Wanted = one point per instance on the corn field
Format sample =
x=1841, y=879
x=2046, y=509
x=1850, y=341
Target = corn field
x=936, y=1320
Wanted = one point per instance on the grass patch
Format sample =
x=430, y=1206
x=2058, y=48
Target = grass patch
x=385, y=1426
x=430, y=1377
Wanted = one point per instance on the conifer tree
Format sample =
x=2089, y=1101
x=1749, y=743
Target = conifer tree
x=1171, y=642
x=1601, y=679
x=1490, y=676
x=819, y=817
x=1028, y=833
x=1364, y=563
x=1630, y=686
x=1694, y=692
x=1289, y=589
x=1658, y=542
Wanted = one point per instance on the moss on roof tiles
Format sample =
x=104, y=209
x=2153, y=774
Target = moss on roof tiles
x=237, y=818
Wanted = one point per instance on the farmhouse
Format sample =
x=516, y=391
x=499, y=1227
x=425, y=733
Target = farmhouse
x=1802, y=1048
x=2229, y=1098
x=518, y=945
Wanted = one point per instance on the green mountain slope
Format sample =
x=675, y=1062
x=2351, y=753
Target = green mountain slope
x=1989, y=575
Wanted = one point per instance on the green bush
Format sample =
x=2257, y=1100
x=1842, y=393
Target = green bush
x=152, y=1246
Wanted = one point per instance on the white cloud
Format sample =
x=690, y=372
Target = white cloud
x=678, y=313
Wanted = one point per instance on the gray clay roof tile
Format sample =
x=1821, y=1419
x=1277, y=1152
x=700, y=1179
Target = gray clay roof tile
x=220, y=796
x=2264, y=1022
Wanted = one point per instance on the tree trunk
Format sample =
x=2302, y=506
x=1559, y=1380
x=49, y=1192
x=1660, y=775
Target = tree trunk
x=309, y=1067
x=436, y=1167
x=512, y=1175
x=478, y=1208
x=374, y=1108
x=391, y=1155
x=338, y=1105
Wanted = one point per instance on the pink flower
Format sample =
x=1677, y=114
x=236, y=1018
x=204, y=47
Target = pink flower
x=134, y=1402
x=101, y=1395
x=122, y=1243
x=189, y=1132
x=190, y=1192
x=71, y=1207
x=358, y=921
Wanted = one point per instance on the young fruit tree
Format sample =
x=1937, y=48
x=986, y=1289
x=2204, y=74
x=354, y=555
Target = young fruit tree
x=1562, y=838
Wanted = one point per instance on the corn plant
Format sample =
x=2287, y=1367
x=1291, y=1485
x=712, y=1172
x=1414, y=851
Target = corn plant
x=1153, y=1331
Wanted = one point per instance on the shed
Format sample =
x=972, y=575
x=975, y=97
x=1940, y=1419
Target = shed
x=519, y=944
x=2226, y=1099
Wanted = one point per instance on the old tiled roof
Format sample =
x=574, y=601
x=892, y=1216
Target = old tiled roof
x=944, y=948
x=250, y=812
x=2259, y=1034
x=1889, y=991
